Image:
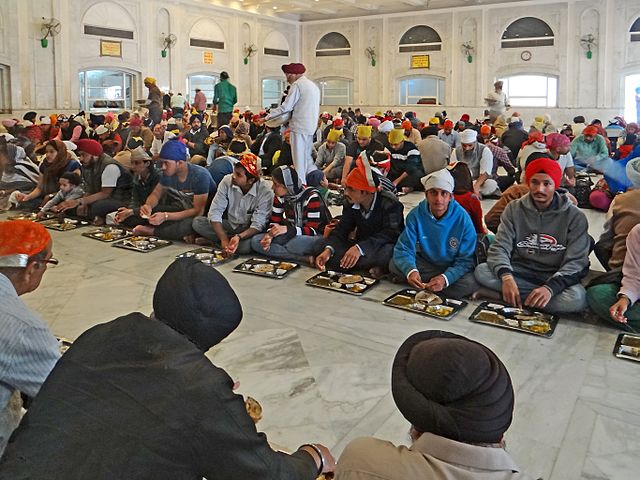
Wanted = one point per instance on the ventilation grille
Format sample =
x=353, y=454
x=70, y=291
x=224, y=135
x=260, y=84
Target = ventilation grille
x=275, y=51
x=108, y=32
x=196, y=42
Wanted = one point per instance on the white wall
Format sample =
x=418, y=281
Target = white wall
x=47, y=79
x=591, y=87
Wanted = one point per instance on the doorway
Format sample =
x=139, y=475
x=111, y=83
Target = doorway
x=632, y=98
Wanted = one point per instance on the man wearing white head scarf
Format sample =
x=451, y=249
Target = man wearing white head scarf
x=479, y=159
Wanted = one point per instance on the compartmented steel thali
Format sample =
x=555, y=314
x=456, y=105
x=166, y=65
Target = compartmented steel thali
x=425, y=303
x=352, y=284
x=142, y=244
x=627, y=347
x=207, y=255
x=266, y=268
x=64, y=224
x=519, y=319
x=108, y=234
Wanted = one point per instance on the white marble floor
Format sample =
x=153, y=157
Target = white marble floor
x=319, y=362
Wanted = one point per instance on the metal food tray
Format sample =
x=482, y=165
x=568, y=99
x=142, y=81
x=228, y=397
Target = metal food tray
x=117, y=234
x=64, y=344
x=509, y=312
x=23, y=216
x=142, y=244
x=280, y=268
x=64, y=224
x=632, y=344
x=330, y=280
x=207, y=255
x=416, y=307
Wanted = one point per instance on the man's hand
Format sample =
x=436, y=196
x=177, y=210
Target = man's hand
x=436, y=284
x=40, y=215
x=69, y=205
x=20, y=196
x=232, y=245
x=510, y=292
x=618, y=310
x=571, y=182
x=83, y=208
x=266, y=242
x=538, y=298
x=158, y=218
x=476, y=189
x=350, y=258
x=145, y=211
x=276, y=230
x=415, y=281
x=322, y=259
x=122, y=214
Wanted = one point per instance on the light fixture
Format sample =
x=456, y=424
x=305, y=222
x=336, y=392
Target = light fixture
x=467, y=50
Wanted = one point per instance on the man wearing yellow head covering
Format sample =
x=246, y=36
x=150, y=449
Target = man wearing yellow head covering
x=406, y=166
x=154, y=100
x=363, y=142
x=28, y=350
x=331, y=155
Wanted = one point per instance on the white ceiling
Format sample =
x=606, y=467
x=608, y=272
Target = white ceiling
x=306, y=10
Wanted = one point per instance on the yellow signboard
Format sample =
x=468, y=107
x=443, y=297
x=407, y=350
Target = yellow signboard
x=207, y=58
x=419, y=61
x=109, y=48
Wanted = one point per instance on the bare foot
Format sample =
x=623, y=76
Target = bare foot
x=205, y=242
x=406, y=190
x=190, y=239
x=486, y=294
x=98, y=221
x=312, y=260
x=376, y=272
x=144, y=230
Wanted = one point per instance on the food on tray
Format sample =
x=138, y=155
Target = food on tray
x=428, y=298
x=263, y=268
x=401, y=300
x=107, y=236
x=357, y=288
x=629, y=350
x=439, y=310
x=254, y=409
x=350, y=279
x=527, y=318
x=23, y=216
x=336, y=285
x=489, y=316
x=286, y=266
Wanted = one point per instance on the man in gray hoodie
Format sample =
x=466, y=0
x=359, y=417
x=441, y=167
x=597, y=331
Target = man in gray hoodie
x=541, y=250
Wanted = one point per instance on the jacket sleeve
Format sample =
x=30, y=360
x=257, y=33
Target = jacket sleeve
x=576, y=257
x=346, y=225
x=404, y=253
x=216, y=94
x=464, y=260
x=246, y=454
x=53, y=202
x=499, y=254
x=392, y=225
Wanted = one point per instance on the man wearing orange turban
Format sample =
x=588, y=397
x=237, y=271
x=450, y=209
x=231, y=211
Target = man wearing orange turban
x=28, y=350
x=376, y=219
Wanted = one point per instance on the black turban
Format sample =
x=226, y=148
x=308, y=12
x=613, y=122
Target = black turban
x=451, y=386
x=197, y=301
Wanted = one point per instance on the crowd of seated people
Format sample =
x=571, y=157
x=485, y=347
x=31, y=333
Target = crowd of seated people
x=234, y=186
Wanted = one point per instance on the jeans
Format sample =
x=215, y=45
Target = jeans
x=174, y=230
x=202, y=227
x=463, y=287
x=572, y=299
x=100, y=208
x=298, y=249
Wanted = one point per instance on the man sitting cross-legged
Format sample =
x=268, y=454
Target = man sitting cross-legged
x=541, y=250
x=371, y=223
x=446, y=238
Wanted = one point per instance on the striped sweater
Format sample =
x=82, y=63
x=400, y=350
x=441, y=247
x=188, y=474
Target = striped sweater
x=307, y=216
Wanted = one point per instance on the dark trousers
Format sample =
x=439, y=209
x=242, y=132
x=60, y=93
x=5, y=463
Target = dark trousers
x=372, y=258
x=223, y=118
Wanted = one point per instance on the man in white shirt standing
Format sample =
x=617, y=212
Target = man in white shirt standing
x=497, y=102
x=303, y=102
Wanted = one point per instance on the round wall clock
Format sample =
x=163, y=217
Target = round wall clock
x=526, y=55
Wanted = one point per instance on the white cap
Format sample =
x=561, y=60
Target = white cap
x=70, y=145
x=468, y=136
x=44, y=120
x=441, y=179
x=101, y=129
x=7, y=136
x=386, y=126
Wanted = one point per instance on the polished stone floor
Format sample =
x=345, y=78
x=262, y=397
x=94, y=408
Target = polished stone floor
x=319, y=362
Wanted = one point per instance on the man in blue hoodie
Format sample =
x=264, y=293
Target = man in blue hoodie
x=436, y=249
x=541, y=250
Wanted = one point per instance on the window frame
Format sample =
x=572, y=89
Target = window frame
x=634, y=31
x=321, y=86
x=128, y=101
x=420, y=47
x=440, y=95
x=189, y=96
x=506, y=79
x=334, y=51
x=275, y=79
x=527, y=42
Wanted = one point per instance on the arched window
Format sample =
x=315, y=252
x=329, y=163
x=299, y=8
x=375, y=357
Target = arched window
x=635, y=31
x=420, y=39
x=335, y=91
x=104, y=90
x=531, y=90
x=527, y=32
x=421, y=90
x=332, y=45
x=205, y=82
x=272, y=89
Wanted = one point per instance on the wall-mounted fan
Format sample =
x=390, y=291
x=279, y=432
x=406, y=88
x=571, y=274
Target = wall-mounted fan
x=168, y=41
x=588, y=42
x=371, y=54
x=249, y=51
x=50, y=27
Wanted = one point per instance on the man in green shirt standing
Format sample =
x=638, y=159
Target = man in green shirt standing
x=225, y=97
